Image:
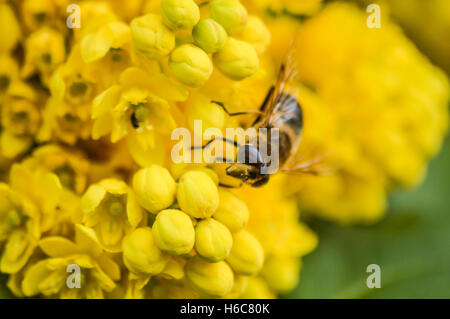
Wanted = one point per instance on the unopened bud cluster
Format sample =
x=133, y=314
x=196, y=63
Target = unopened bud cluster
x=223, y=35
x=196, y=223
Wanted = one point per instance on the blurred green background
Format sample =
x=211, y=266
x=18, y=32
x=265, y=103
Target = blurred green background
x=411, y=245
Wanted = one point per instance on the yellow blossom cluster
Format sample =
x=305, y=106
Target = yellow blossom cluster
x=87, y=115
x=87, y=112
x=382, y=109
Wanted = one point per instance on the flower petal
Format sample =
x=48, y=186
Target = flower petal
x=58, y=246
x=87, y=241
x=34, y=276
x=95, y=46
x=105, y=101
x=134, y=210
x=92, y=198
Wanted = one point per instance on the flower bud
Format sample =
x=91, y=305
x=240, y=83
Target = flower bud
x=180, y=14
x=155, y=188
x=191, y=65
x=209, y=35
x=213, y=279
x=281, y=273
x=151, y=38
x=231, y=14
x=197, y=194
x=213, y=240
x=256, y=33
x=246, y=256
x=140, y=254
x=240, y=284
x=173, y=231
x=232, y=211
x=237, y=59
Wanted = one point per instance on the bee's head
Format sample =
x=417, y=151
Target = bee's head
x=248, y=166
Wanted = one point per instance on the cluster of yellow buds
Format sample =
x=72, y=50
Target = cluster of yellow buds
x=194, y=224
x=188, y=35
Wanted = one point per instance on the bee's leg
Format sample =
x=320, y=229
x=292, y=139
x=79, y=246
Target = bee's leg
x=230, y=186
x=266, y=99
x=235, y=113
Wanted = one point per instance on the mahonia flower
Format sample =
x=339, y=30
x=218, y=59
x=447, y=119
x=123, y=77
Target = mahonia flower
x=86, y=122
x=20, y=120
x=111, y=209
x=68, y=164
x=44, y=52
x=137, y=108
x=67, y=112
x=26, y=212
x=48, y=276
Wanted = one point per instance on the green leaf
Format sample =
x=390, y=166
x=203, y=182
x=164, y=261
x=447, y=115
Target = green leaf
x=411, y=245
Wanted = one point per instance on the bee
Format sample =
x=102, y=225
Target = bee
x=279, y=110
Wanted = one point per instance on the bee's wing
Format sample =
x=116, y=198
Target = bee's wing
x=309, y=163
x=285, y=75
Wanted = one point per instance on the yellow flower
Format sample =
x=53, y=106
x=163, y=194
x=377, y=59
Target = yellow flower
x=26, y=211
x=138, y=107
x=281, y=273
x=246, y=256
x=256, y=33
x=67, y=111
x=151, y=38
x=9, y=74
x=141, y=255
x=19, y=229
x=209, y=35
x=44, y=52
x=104, y=99
x=257, y=289
x=213, y=240
x=49, y=276
x=237, y=59
x=212, y=279
x=155, y=188
x=173, y=232
x=191, y=65
x=111, y=209
x=107, y=51
x=36, y=14
x=68, y=164
x=231, y=14
x=197, y=194
x=232, y=211
x=180, y=14
x=20, y=119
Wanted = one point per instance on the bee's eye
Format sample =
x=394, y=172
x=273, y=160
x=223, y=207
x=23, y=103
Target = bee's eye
x=248, y=154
